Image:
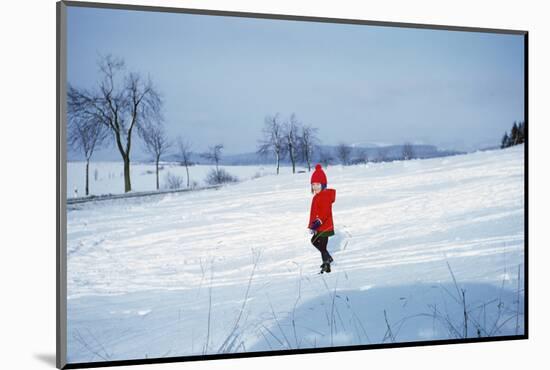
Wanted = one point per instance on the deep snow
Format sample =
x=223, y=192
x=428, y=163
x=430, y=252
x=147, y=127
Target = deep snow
x=232, y=270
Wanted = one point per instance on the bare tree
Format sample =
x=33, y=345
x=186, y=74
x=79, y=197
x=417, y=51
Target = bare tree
x=172, y=181
x=85, y=136
x=156, y=143
x=218, y=177
x=121, y=103
x=184, y=155
x=343, y=151
x=214, y=154
x=291, y=129
x=308, y=140
x=273, y=139
x=408, y=151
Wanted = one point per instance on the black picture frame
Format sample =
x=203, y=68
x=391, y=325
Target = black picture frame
x=61, y=188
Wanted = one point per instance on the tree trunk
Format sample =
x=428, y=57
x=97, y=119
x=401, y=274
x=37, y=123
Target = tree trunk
x=157, y=166
x=291, y=153
x=87, y=176
x=126, y=158
x=277, y=155
x=187, y=170
x=127, y=184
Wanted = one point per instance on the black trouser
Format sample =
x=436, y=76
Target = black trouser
x=320, y=242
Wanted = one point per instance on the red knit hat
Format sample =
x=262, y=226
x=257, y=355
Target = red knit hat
x=319, y=175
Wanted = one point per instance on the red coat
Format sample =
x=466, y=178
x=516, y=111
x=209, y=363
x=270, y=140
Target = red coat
x=321, y=208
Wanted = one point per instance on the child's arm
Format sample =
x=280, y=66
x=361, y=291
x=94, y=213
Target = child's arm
x=313, y=214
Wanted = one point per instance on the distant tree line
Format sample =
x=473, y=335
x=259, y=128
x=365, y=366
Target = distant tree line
x=288, y=138
x=516, y=136
x=125, y=104
x=291, y=139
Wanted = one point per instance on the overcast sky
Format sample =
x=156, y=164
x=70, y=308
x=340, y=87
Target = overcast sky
x=220, y=76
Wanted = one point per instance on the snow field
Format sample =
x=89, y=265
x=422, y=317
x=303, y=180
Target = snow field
x=232, y=270
x=108, y=177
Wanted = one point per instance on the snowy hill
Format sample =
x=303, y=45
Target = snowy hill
x=232, y=270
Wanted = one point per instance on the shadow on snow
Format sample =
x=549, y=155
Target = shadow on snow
x=419, y=312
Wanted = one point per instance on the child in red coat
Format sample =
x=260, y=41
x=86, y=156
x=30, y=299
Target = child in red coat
x=320, y=217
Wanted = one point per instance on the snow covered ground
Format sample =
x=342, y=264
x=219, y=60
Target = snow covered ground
x=108, y=177
x=232, y=270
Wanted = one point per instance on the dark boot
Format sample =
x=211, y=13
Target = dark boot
x=325, y=267
x=329, y=260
